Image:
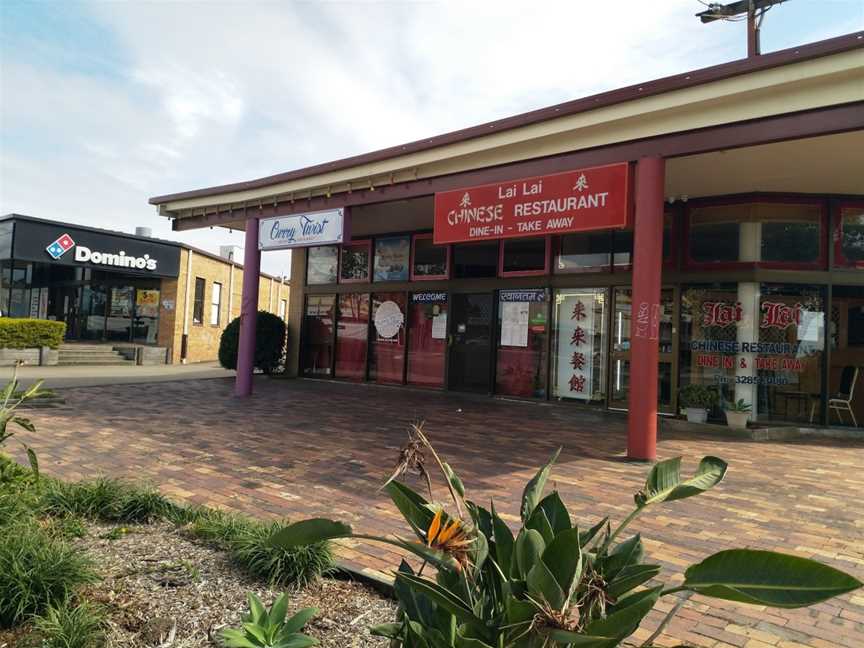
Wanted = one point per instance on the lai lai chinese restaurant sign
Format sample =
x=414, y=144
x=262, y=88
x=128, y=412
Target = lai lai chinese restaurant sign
x=576, y=201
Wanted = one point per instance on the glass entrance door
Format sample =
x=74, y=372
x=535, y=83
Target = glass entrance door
x=470, y=366
x=427, y=339
x=91, y=316
x=619, y=369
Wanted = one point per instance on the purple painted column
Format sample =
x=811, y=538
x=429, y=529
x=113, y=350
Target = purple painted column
x=248, y=310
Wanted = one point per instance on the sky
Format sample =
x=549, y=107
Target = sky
x=105, y=104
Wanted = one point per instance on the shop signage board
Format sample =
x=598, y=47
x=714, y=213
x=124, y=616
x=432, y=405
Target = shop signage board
x=62, y=244
x=301, y=230
x=576, y=346
x=575, y=201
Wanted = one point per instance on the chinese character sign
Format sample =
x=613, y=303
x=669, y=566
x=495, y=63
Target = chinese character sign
x=576, y=346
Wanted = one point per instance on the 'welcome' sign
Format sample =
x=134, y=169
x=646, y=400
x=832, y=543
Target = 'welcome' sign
x=302, y=230
x=575, y=201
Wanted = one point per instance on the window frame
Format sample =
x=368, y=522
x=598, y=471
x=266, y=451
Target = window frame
x=840, y=261
x=367, y=243
x=604, y=269
x=755, y=198
x=525, y=273
x=414, y=277
x=198, y=302
x=217, y=304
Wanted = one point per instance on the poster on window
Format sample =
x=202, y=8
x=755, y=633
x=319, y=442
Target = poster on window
x=391, y=258
x=576, y=346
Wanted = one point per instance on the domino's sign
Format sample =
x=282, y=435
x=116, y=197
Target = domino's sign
x=84, y=254
x=301, y=230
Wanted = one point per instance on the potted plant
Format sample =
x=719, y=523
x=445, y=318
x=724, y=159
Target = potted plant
x=696, y=401
x=737, y=413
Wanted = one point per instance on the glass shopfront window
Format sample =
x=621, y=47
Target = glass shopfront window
x=352, y=333
x=849, y=241
x=146, y=316
x=392, y=258
x=475, y=260
x=525, y=256
x=430, y=261
x=321, y=265
x=584, y=252
x=579, y=344
x=760, y=343
x=622, y=249
x=846, y=373
x=387, y=354
x=522, y=327
x=318, y=335
x=619, y=379
x=355, y=262
x=769, y=233
x=427, y=339
x=118, y=325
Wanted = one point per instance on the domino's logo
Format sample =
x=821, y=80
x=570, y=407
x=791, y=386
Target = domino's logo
x=60, y=247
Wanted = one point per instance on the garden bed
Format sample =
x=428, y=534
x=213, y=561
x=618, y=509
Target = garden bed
x=159, y=587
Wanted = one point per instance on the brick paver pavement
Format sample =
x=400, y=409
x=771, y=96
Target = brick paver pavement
x=303, y=448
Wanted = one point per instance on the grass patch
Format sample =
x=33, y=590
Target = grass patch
x=37, y=570
x=249, y=543
x=70, y=626
x=108, y=499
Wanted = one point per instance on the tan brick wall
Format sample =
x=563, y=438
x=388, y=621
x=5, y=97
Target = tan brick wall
x=203, y=341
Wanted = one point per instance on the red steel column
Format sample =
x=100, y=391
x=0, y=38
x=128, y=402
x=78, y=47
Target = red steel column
x=248, y=310
x=645, y=317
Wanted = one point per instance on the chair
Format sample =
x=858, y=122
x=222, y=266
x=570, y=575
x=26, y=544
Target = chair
x=842, y=400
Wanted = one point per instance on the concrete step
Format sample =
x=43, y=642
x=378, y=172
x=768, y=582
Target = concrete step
x=94, y=361
x=90, y=354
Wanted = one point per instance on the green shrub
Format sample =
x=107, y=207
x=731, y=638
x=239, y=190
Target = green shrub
x=273, y=628
x=249, y=543
x=67, y=625
x=553, y=584
x=271, y=336
x=108, y=499
x=37, y=571
x=698, y=396
x=30, y=333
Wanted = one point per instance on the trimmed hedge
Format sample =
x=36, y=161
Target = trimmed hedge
x=271, y=336
x=30, y=333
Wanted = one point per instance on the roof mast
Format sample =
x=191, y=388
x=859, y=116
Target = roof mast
x=752, y=10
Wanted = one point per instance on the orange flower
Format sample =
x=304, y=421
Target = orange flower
x=450, y=538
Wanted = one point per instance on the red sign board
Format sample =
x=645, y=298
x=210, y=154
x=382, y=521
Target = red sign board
x=575, y=201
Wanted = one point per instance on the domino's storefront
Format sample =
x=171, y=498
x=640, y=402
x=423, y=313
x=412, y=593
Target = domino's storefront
x=105, y=285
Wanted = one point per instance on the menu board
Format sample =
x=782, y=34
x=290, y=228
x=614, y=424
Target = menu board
x=514, y=324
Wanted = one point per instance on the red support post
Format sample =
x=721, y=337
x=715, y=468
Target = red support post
x=248, y=310
x=645, y=318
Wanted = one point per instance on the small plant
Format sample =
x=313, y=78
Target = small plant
x=698, y=396
x=10, y=400
x=108, y=499
x=270, y=341
x=36, y=571
x=67, y=625
x=264, y=628
x=738, y=406
x=553, y=583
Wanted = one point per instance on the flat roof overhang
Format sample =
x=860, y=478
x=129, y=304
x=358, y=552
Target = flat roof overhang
x=808, y=92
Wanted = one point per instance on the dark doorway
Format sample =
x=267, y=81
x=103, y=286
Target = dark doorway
x=471, y=349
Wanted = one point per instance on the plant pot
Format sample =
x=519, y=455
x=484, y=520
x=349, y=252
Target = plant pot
x=737, y=420
x=696, y=415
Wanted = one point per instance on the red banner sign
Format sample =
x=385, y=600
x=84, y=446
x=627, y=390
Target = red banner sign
x=575, y=201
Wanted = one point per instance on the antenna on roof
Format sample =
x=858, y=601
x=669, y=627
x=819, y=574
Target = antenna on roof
x=753, y=11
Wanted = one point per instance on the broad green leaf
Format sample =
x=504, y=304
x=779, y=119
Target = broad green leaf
x=540, y=523
x=297, y=641
x=586, y=537
x=307, y=532
x=664, y=481
x=469, y=642
x=438, y=558
x=623, y=555
x=534, y=489
x=529, y=548
x=564, y=559
x=34, y=461
x=299, y=620
x=479, y=552
x=503, y=542
x=631, y=577
x=257, y=613
x=542, y=584
x=416, y=608
x=389, y=630
x=256, y=631
x=623, y=623
x=630, y=599
x=441, y=597
x=767, y=578
x=279, y=609
x=454, y=480
x=575, y=640
x=237, y=639
x=413, y=507
x=556, y=512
